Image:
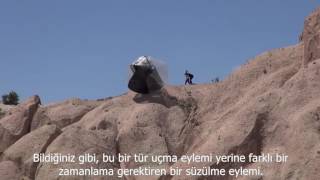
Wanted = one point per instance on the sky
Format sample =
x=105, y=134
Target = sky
x=82, y=48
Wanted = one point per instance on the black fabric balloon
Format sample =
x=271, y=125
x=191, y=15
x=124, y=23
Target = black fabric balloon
x=145, y=77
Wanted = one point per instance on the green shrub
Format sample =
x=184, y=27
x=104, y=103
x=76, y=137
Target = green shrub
x=10, y=99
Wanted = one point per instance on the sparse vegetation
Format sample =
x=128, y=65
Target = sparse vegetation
x=216, y=80
x=186, y=106
x=10, y=99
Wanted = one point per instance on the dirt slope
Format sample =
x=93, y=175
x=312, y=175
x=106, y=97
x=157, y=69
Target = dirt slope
x=269, y=105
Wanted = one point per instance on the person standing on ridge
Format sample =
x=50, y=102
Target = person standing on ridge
x=189, y=77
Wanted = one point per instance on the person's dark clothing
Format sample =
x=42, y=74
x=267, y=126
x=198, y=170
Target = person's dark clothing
x=189, y=78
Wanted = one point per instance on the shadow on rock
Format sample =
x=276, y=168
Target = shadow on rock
x=160, y=97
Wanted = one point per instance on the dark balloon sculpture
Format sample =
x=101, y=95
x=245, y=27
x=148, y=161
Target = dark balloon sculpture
x=147, y=75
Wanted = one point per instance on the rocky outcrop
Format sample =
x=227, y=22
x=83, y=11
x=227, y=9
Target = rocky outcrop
x=17, y=123
x=311, y=37
x=9, y=170
x=78, y=141
x=35, y=142
x=4, y=109
x=62, y=114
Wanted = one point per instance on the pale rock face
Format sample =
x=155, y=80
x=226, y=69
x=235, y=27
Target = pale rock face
x=78, y=141
x=4, y=109
x=311, y=37
x=9, y=170
x=33, y=143
x=17, y=123
x=62, y=114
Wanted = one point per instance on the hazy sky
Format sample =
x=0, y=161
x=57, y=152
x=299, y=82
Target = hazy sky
x=74, y=48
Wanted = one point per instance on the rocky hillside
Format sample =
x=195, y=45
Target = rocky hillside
x=271, y=104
